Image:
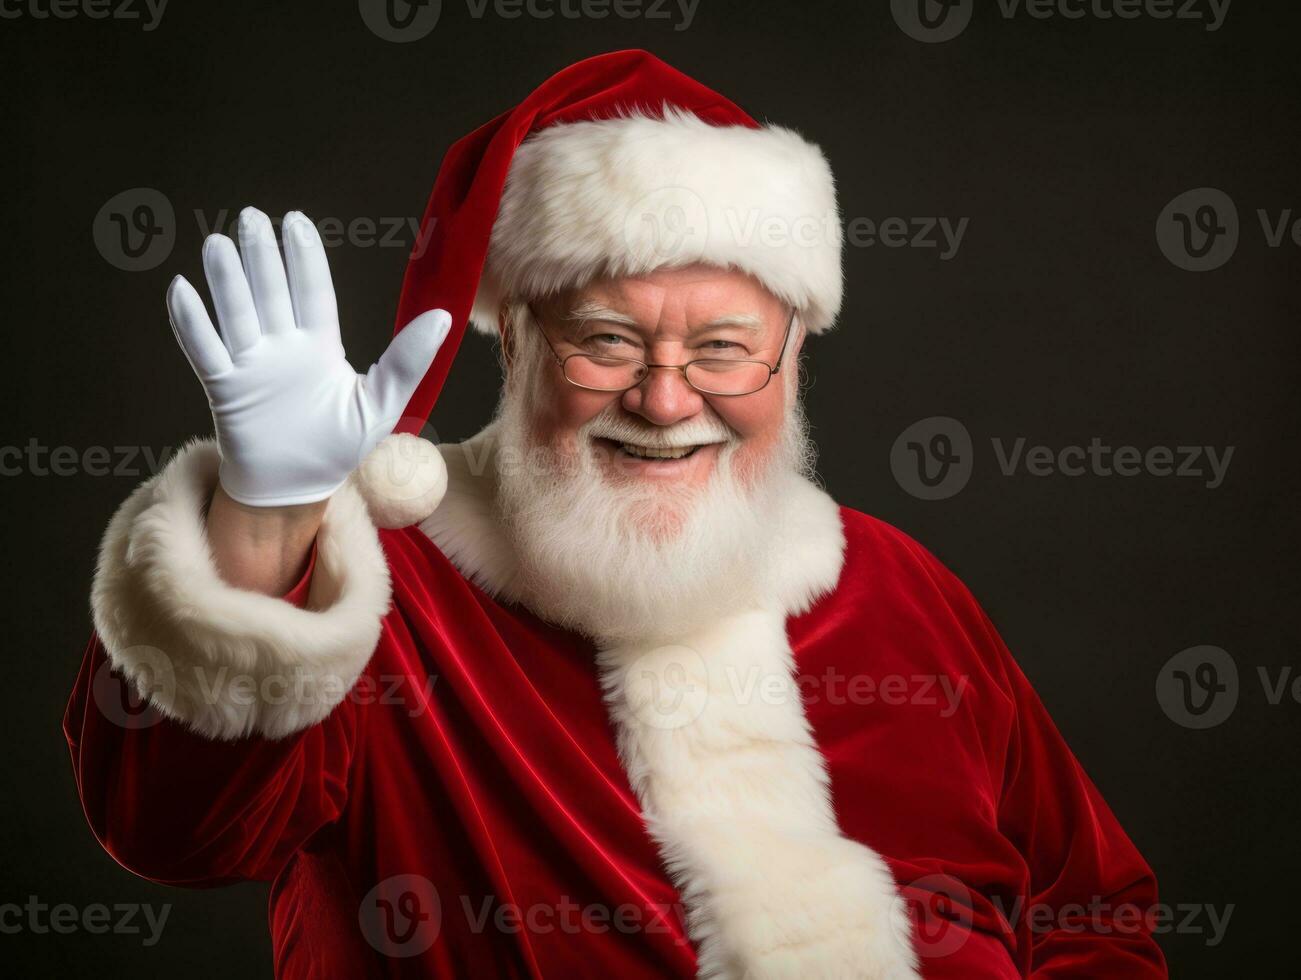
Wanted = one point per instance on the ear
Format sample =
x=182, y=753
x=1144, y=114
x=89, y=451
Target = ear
x=507, y=337
x=797, y=342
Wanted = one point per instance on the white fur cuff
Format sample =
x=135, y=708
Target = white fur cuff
x=227, y=661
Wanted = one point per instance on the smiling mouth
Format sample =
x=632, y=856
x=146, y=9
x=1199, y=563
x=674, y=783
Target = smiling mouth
x=657, y=454
x=650, y=452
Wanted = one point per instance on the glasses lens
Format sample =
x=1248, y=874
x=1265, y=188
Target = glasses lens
x=716, y=376
x=603, y=373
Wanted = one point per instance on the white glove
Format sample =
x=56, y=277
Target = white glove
x=292, y=417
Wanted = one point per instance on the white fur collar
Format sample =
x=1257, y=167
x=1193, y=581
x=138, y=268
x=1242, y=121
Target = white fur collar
x=712, y=734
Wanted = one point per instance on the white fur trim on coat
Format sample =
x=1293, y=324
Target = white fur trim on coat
x=713, y=736
x=632, y=194
x=227, y=661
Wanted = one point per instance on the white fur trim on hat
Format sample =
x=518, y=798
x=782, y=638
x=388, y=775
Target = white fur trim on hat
x=629, y=195
x=227, y=661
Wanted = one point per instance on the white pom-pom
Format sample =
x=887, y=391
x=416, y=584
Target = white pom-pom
x=402, y=480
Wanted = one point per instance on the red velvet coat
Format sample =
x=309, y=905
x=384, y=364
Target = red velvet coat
x=464, y=810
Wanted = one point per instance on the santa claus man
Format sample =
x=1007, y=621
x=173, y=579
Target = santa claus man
x=613, y=688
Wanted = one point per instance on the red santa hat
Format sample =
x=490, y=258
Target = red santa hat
x=619, y=165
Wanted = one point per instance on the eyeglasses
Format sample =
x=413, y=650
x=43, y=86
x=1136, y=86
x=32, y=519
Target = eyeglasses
x=727, y=376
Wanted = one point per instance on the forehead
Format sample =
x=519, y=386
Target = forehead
x=688, y=295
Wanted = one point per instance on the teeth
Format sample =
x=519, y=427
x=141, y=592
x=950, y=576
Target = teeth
x=650, y=452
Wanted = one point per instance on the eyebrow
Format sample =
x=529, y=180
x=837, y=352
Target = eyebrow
x=747, y=320
x=594, y=311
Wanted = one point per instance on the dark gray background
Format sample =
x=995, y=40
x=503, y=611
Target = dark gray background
x=1059, y=320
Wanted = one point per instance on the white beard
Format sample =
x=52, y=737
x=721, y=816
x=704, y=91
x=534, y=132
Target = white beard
x=618, y=561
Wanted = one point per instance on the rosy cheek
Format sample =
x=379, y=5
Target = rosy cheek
x=754, y=417
x=758, y=421
x=571, y=409
x=579, y=407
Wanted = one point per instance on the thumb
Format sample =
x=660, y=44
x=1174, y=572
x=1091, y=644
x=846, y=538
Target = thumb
x=392, y=380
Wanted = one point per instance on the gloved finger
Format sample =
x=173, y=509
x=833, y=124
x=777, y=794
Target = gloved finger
x=194, y=331
x=265, y=271
x=236, y=315
x=392, y=380
x=310, y=288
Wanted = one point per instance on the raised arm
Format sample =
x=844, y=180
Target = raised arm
x=209, y=727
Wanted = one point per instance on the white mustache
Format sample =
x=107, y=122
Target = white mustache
x=617, y=427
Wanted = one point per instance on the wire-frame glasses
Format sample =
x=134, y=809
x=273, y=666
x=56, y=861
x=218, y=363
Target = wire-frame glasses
x=726, y=376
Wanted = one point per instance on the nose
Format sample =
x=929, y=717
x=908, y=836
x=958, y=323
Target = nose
x=663, y=397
